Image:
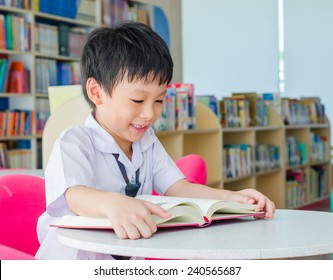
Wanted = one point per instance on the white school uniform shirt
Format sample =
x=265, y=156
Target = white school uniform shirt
x=83, y=155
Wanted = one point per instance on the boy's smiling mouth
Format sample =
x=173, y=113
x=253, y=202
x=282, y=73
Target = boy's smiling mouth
x=139, y=126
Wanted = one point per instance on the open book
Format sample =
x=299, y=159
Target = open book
x=184, y=212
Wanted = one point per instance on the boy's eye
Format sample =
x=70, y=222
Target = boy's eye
x=137, y=101
x=160, y=101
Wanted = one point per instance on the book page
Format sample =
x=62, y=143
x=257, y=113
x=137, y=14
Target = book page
x=168, y=202
x=207, y=206
x=181, y=215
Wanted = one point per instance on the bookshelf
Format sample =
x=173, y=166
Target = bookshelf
x=270, y=182
x=36, y=47
x=275, y=183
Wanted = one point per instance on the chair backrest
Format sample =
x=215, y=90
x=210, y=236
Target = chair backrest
x=22, y=201
x=71, y=113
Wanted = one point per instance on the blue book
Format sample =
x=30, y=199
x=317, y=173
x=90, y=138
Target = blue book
x=3, y=74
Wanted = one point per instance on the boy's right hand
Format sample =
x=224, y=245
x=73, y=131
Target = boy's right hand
x=132, y=218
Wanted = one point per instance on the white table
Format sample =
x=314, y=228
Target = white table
x=34, y=172
x=291, y=233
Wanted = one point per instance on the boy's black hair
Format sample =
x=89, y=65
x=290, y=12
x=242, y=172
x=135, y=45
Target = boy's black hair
x=128, y=51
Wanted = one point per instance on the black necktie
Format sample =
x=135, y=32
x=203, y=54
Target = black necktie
x=130, y=189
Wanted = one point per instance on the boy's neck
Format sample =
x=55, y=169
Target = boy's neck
x=125, y=147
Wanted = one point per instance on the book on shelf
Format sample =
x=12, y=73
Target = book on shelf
x=18, y=78
x=273, y=100
x=295, y=185
x=184, y=212
x=235, y=111
x=318, y=182
x=3, y=73
x=258, y=109
x=2, y=32
x=238, y=160
x=87, y=10
x=63, y=8
x=211, y=102
x=185, y=105
x=316, y=109
x=14, y=32
x=3, y=155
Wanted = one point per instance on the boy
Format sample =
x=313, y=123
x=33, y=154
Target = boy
x=125, y=72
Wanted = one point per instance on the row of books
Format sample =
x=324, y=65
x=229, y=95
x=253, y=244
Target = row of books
x=318, y=182
x=15, y=155
x=295, y=188
x=296, y=152
x=63, y=8
x=15, y=32
x=59, y=39
x=22, y=122
x=306, y=110
x=114, y=11
x=22, y=4
x=318, y=144
x=242, y=109
x=17, y=122
x=252, y=109
x=296, y=185
x=49, y=72
x=14, y=76
x=244, y=159
x=178, y=111
x=238, y=160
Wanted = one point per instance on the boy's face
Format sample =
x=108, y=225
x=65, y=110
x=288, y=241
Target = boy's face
x=131, y=110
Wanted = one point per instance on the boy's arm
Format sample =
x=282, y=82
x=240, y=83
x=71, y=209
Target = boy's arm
x=131, y=218
x=185, y=189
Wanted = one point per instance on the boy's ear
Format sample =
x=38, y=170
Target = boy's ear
x=94, y=91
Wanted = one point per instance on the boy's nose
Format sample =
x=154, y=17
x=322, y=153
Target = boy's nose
x=148, y=112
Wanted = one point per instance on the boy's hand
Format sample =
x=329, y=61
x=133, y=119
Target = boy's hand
x=252, y=196
x=132, y=218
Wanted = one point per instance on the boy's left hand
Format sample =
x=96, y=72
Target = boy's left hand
x=252, y=196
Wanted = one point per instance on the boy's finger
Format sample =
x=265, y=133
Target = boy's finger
x=157, y=210
x=120, y=232
x=146, y=227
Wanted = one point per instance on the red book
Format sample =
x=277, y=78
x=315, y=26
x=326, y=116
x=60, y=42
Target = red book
x=16, y=77
x=2, y=32
x=184, y=212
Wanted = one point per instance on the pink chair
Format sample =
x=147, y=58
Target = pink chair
x=9, y=253
x=194, y=169
x=22, y=201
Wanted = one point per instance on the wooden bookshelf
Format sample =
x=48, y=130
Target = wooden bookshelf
x=33, y=57
x=273, y=182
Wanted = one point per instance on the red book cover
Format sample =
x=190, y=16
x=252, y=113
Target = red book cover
x=2, y=32
x=16, y=77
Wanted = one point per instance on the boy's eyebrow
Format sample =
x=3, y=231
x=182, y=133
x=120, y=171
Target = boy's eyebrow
x=163, y=93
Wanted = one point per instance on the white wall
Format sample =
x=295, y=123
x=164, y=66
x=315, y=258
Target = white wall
x=230, y=45
x=309, y=50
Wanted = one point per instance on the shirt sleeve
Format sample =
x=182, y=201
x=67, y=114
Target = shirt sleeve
x=70, y=164
x=165, y=170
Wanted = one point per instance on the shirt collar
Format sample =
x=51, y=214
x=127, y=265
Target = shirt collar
x=105, y=143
